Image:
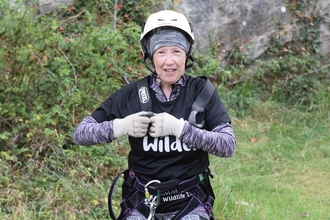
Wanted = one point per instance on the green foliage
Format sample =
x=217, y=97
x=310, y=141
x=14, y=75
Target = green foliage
x=308, y=24
x=49, y=66
x=55, y=70
x=208, y=65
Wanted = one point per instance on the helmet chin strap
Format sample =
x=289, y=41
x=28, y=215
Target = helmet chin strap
x=191, y=64
x=146, y=64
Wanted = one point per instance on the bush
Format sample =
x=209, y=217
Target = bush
x=54, y=70
x=49, y=67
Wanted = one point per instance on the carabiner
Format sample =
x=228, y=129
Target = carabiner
x=151, y=201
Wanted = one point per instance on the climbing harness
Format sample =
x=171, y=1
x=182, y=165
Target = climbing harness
x=146, y=203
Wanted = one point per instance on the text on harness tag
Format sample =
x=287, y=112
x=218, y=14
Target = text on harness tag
x=143, y=94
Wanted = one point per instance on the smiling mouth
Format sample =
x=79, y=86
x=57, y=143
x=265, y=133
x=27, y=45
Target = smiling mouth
x=168, y=71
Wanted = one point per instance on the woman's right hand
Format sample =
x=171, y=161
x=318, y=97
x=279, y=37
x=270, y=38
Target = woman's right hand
x=135, y=125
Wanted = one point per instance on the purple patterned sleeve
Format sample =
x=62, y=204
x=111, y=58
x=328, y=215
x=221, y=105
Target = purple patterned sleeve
x=219, y=142
x=90, y=132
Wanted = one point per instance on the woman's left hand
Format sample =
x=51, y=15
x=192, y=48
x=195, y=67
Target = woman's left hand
x=164, y=124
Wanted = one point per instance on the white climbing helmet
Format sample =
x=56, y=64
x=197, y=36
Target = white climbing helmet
x=166, y=18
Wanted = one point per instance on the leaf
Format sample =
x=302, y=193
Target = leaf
x=253, y=140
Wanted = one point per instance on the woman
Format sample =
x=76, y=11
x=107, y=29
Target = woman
x=168, y=155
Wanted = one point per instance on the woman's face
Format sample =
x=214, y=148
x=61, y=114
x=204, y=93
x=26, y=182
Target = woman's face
x=169, y=63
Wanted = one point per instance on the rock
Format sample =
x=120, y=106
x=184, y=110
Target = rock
x=48, y=6
x=248, y=25
x=237, y=24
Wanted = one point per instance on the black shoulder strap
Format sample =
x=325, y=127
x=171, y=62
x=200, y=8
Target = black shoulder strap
x=143, y=90
x=200, y=103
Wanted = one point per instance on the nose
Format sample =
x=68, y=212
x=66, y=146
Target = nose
x=169, y=59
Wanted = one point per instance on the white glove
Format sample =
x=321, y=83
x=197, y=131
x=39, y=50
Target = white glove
x=135, y=125
x=164, y=124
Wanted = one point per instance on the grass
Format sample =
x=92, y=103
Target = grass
x=281, y=169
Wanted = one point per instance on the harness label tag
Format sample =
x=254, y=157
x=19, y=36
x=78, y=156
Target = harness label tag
x=144, y=95
x=176, y=197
